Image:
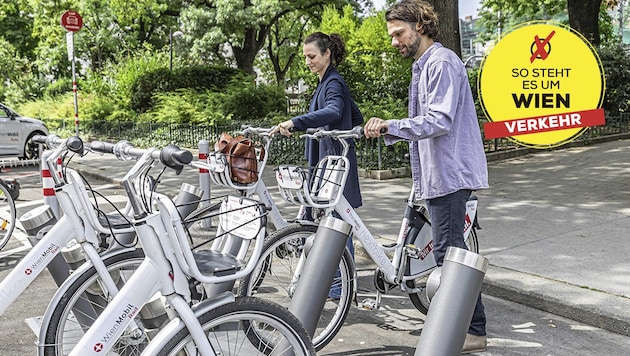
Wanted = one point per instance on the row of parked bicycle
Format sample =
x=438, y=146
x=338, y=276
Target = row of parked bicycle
x=205, y=276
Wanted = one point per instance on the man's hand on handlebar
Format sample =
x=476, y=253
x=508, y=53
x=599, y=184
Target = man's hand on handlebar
x=375, y=127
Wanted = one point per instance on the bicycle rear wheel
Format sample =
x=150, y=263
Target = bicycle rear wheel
x=273, y=279
x=248, y=326
x=7, y=216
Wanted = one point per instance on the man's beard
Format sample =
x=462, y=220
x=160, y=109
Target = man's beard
x=413, y=48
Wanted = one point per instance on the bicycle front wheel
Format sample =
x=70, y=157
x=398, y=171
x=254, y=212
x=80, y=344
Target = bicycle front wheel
x=85, y=299
x=276, y=275
x=248, y=326
x=7, y=216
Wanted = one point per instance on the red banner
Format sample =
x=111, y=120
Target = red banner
x=531, y=125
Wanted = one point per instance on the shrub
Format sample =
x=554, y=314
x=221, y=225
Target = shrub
x=59, y=87
x=616, y=62
x=163, y=80
x=252, y=103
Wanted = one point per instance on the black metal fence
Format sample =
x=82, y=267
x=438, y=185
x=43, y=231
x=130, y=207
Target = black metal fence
x=371, y=153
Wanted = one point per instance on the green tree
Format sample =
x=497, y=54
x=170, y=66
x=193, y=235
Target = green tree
x=585, y=16
x=17, y=27
x=243, y=25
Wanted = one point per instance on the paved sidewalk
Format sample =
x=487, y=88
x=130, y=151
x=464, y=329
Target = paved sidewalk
x=554, y=227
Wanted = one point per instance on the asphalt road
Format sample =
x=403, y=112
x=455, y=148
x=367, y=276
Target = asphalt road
x=394, y=329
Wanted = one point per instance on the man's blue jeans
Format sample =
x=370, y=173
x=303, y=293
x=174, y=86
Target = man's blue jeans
x=447, y=215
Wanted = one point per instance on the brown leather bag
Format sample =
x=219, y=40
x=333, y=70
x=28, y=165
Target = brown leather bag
x=241, y=157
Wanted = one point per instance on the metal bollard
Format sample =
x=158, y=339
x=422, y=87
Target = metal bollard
x=453, y=304
x=37, y=222
x=319, y=271
x=204, y=180
x=187, y=199
x=48, y=184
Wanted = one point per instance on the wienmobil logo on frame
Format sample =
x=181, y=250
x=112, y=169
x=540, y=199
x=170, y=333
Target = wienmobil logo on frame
x=541, y=85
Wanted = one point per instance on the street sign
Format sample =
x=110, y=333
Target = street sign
x=71, y=21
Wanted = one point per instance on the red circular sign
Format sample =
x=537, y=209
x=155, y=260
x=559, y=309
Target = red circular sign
x=71, y=21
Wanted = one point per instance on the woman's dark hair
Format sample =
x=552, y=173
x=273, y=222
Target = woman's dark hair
x=415, y=11
x=333, y=42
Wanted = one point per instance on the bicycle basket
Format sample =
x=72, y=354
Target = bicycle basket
x=319, y=187
x=237, y=172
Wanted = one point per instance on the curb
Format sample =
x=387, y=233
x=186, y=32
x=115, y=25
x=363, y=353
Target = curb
x=596, y=308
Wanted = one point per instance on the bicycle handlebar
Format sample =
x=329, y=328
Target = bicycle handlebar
x=102, y=147
x=318, y=133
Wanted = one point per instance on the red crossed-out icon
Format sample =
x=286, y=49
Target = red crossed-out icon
x=540, y=51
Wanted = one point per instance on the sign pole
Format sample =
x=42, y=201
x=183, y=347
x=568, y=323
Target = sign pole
x=71, y=21
x=70, y=35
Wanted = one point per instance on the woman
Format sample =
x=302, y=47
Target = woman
x=331, y=107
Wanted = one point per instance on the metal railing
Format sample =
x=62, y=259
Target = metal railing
x=371, y=153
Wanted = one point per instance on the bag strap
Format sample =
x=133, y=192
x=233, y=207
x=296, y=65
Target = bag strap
x=233, y=142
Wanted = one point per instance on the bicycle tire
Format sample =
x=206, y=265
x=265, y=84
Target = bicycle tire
x=7, y=216
x=63, y=329
x=223, y=326
x=271, y=279
x=420, y=299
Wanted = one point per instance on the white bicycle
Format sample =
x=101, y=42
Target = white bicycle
x=164, y=276
x=277, y=274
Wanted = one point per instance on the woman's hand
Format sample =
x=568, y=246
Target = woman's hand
x=284, y=128
x=375, y=127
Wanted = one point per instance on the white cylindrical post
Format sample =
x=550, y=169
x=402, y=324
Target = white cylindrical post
x=204, y=179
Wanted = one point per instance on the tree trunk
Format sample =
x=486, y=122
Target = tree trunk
x=583, y=17
x=448, y=15
x=246, y=53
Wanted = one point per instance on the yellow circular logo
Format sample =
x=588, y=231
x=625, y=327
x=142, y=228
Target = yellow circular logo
x=542, y=85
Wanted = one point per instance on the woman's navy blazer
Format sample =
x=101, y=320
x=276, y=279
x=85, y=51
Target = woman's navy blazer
x=332, y=108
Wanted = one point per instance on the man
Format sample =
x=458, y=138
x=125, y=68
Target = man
x=446, y=150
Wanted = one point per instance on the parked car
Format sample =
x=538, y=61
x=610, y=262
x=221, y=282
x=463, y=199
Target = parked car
x=16, y=134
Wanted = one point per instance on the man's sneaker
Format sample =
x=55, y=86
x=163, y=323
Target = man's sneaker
x=474, y=343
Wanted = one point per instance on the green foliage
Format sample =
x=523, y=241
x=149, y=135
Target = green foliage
x=615, y=58
x=250, y=102
x=163, y=80
x=59, y=87
x=95, y=107
x=373, y=69
x=498, y=16
x=187, y=106
x=49, y=109
x=117, y=78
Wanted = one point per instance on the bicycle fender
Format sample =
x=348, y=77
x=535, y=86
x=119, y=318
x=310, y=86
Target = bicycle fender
x=176, y=325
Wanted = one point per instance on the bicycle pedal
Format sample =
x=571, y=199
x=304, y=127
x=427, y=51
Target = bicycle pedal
x=368, y=304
